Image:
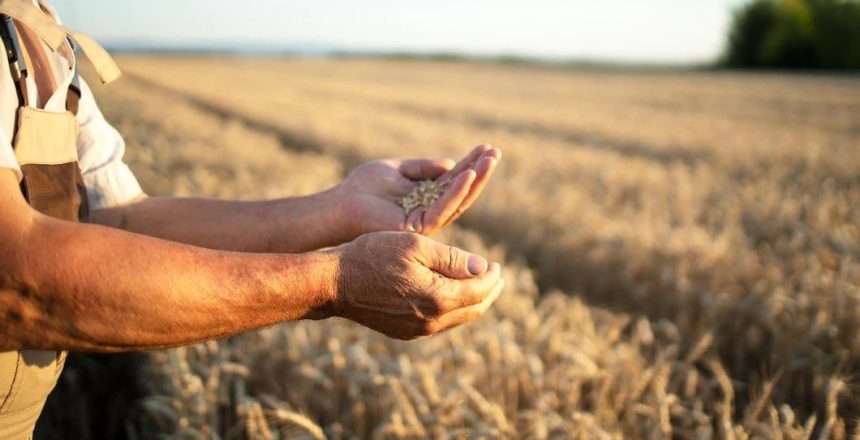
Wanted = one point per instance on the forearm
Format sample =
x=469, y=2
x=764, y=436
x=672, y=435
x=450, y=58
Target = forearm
x=85, y=287
x=296, y=224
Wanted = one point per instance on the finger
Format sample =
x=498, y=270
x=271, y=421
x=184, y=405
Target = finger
x=425, y=169
x=480, y=285
x=449, y=261
x=470, y=313
x=394, y=327
x=399, y=186
x=414, y=220
x=466, y=162
x=490, y=152
x=441, y=209
x=484, y=170
x=466, y=293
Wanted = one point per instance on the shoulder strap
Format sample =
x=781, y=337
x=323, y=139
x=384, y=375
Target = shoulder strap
x=104, y=65
x=17, y=66
x=53, y=34
x=47, y=29
x=19, y=72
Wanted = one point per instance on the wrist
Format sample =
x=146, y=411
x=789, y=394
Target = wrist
x=312, y=222
x=346, y=215
x=316, y=280
x=339, y=218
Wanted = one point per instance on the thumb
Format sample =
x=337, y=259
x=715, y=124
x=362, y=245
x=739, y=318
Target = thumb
x=452, y=262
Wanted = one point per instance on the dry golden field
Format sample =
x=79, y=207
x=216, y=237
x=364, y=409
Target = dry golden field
x=682, y=250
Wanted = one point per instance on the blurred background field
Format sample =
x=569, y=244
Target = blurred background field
x=681, y=245
x=681, y=248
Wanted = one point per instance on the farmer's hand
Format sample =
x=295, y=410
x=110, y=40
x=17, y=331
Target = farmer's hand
x=370, y=193
x=405, y=285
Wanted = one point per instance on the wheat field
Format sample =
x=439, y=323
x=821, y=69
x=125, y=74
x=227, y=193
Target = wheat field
x=681, y=250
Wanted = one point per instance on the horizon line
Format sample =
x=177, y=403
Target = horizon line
x=319, y=50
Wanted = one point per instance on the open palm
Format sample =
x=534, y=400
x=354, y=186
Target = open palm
x=372, y=191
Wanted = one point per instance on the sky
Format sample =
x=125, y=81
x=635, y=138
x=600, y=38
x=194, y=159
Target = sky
x=640, y=31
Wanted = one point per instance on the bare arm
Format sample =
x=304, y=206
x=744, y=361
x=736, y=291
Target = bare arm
x=295, y=224
x=364, y=202
x=85, y=287
x=68, y=286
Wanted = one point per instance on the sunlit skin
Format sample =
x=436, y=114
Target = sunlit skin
x=371, y=191
x=162, y=272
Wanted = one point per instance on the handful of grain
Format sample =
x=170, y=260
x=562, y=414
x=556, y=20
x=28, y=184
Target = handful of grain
x=423, y=195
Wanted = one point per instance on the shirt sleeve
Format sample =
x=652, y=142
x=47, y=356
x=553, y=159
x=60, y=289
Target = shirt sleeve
x=7, y=155
x=108, y=179
x=8, y=108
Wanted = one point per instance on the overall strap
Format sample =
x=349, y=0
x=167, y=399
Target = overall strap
x=38, y=63
x=104, y=65
x=53, y=35
x=17, y=65
x=47, y=29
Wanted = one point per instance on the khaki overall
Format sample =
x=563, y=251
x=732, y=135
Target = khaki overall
x=45, y=145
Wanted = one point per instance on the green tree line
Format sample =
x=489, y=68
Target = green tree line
x=806, y=34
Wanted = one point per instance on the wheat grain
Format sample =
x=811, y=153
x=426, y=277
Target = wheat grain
x=425, y=193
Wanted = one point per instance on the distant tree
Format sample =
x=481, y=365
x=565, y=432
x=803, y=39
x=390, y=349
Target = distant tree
x=838, y=39
x=748, y=33
x=810, y=34
x=790, y=41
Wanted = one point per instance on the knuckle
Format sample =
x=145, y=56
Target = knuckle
x=452, y=257
x=410, y=241
x=368, y=242
x=363, y=240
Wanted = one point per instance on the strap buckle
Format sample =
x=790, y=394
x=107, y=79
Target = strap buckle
x=13, y=48
x=17, y=66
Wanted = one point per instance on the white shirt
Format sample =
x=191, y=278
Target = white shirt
x=108, y=179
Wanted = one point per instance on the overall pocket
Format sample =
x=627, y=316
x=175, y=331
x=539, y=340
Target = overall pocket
x=46, y=149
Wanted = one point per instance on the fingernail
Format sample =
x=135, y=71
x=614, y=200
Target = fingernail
x=477, y=265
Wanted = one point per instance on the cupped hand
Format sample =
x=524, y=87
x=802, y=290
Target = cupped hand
x=371, y=191
x=406, y=286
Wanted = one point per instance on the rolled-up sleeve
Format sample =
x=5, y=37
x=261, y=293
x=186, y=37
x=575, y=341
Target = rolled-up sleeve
x=108, y=179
